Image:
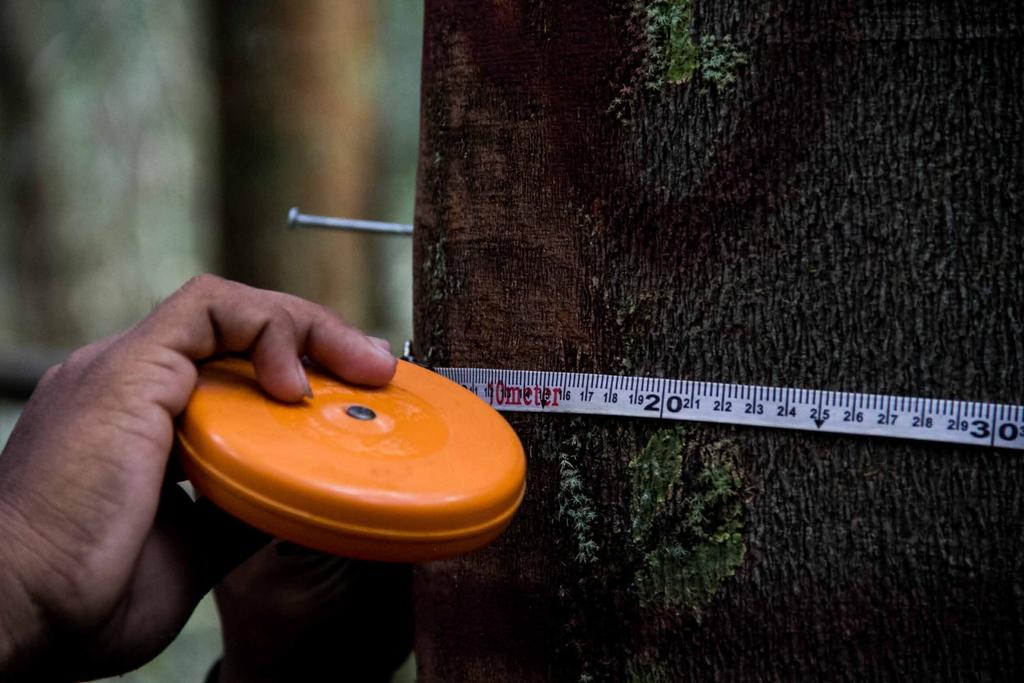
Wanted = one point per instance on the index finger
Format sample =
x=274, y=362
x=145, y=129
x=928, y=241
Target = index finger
x=209, y=315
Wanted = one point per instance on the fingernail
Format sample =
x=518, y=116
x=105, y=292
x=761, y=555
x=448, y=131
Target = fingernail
x=307, y=391
x=382, y=343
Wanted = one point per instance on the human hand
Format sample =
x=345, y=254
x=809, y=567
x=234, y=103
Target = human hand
x=103, y=561
x=291, y=614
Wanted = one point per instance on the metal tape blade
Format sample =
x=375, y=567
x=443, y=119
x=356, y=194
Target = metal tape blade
x=904, y=417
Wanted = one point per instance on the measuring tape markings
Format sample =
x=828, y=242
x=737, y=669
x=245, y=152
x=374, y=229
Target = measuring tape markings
x=950, y=421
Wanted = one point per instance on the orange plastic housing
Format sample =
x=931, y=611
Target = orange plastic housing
x=435, y=472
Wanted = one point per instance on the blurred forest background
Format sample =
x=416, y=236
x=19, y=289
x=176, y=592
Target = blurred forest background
x=143, y=142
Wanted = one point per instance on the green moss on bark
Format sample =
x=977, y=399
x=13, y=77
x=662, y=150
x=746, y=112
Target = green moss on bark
x=435, y=270
x=720, y=59
x=668, y=29
x=644, y=670
x=655, y=473
x=677, y=54
x=440, y=284
x=686, y=519
x=575, y=506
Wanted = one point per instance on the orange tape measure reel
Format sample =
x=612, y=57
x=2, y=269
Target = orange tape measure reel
x=420, y=469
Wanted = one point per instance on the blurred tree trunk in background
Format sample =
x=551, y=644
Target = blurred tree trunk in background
x=782, y=192
x=105, y=194
x=116, y=183
x=28, y=271
x=298, y=128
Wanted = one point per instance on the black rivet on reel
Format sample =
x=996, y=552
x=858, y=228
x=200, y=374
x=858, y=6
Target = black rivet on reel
x=360, y=413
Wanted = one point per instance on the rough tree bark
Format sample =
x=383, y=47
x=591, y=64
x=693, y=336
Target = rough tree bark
x=786, y=192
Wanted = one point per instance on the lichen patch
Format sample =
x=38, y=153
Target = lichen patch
x=686, y=519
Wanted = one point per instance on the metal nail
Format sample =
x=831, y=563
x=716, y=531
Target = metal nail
x=297, y=219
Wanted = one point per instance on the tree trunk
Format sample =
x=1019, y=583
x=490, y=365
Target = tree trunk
x=783, y=192
x=103, y=111
x=29, y=307
x=296, y=88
